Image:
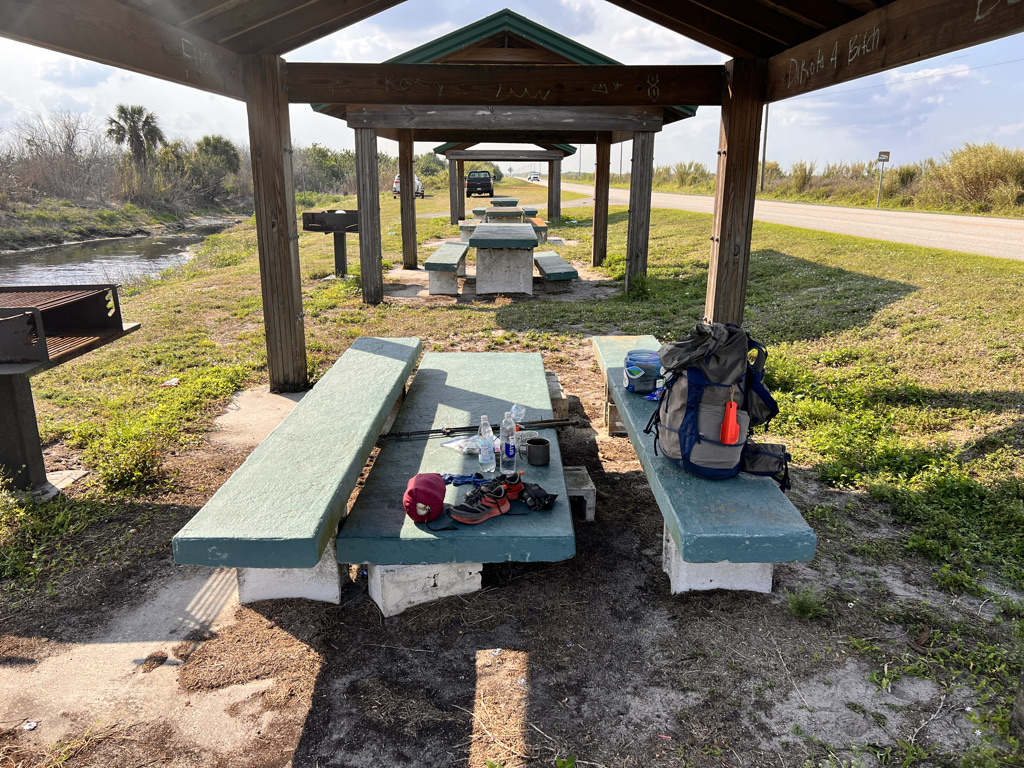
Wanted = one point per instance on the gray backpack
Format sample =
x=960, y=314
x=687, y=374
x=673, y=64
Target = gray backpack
x=714, y=395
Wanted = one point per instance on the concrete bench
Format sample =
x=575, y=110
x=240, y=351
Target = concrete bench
x=444, y=268
x=529, y=211
x=505, y=202
x=275, y=518
x=410, y=564
x=718, y=534
x=504, y=258
x=480, y=213
x=466, y=228
x=506, y=215
x=553, y=267
x=540, y=228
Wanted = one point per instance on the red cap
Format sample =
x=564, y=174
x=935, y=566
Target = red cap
x=424, y=497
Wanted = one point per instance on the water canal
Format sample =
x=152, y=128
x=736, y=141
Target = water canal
x=102, y=261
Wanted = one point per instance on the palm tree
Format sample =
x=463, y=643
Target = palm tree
x=135, y=127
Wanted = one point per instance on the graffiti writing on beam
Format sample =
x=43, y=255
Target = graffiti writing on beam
x=844, y=52
x=409, y=83
x=506, y=92
x=985, y=7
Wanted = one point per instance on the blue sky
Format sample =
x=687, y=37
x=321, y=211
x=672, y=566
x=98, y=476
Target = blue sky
x=915, y=112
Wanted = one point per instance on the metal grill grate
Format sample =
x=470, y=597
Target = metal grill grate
x=15, y=297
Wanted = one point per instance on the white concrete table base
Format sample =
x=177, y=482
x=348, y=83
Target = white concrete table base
x=693, y=577
x=321, y=582
x=504, y=270
x=394, y=588
x=578, y=484
x=442, y=283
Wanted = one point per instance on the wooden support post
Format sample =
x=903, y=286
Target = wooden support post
x=461, y=176
x=21, y=453
x=602, y=171
x=277, y=235
x=407, y=193
x=340, y=255
x=641, y=177
x=368, y=200
x=735, y=188
x=555, y=190
x=454, y=193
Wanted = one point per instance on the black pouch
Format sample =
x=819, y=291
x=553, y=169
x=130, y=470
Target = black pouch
x=537, y=498
x=768, y=460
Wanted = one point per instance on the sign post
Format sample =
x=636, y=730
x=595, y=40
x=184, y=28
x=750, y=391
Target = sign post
x=883, y=158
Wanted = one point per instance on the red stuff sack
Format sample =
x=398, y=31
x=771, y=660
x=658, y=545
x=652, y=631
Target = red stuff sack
x=424, y=497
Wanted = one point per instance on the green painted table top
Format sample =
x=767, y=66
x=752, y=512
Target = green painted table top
x=744, y=519
x=454, y=389
x=503, y=236
x=553, y=266
x=503, y=202
x=281, y=507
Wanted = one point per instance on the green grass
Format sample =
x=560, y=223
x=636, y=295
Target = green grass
x=899, y=371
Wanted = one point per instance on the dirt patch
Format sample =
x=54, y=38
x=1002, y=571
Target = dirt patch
x=590, y=657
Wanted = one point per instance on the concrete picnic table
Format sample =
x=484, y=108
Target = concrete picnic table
x=504, y=258
x=507, y=214
x=505, y=202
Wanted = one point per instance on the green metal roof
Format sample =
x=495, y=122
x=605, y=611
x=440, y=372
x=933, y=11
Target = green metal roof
x=502, y=21
x=569, y=149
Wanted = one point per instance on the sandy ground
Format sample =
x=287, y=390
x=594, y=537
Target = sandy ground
x=148, y=663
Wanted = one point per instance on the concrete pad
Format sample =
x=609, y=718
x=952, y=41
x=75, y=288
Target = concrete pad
x=696, y=577
x=395, y=588
x=252, y=415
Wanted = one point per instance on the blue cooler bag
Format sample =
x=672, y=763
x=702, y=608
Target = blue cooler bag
x=642, y=371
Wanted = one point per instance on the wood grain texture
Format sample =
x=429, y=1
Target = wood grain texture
x=735, y=190
x=903, y=32
x=407, y=192
x=455, y=118
x=460, y=174
x=368, y=202
x=602, y=179
x=276, y=231
x=555, y=190
x=472, y=84
x=503, y=155
x=113, y=33
x=641, y=179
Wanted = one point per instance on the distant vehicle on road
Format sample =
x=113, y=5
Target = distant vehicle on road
x=417, y=187
x=533, y=176
x=479, y=183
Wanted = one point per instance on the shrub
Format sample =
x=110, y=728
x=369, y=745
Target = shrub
x=800, y=175
x=976, y=175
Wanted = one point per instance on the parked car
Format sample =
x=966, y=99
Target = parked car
x=417, y=187
x=533, y=176
x=479, y=183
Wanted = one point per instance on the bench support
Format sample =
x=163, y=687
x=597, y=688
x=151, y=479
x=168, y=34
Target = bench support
x=394, y=588
x=504, y=270
x=578, y=485
x=443, y=283
x=321, y=582
x=696, y=577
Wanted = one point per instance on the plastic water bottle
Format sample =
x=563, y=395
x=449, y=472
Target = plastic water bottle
x=518, y=413
x=485, y=442
x=508, y=444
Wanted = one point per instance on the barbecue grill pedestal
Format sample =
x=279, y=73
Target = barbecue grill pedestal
x=41, y=327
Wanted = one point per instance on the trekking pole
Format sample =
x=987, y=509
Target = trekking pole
x=447, y=431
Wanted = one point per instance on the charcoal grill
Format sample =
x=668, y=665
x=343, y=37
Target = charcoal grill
x=339, y=223
x=40, y=327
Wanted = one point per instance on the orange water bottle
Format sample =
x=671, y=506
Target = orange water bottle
x=730, y=426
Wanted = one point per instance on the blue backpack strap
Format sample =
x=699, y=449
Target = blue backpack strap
x=689, y=434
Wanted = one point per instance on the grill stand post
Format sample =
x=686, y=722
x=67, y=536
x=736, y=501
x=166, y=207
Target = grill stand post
x=21, y=452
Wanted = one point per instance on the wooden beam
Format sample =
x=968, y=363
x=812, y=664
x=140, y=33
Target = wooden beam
x=602, y=178
x=472, y=84
x=368, y=203
x=299, y=23
x=118, y=35
x=460, y=175
x=903, y=32
x=766, y=20
x=453, y=119
x=454, y=192
x=735, y=189
x=277, y=236
x=696, y=24
x=407, y=193
x=638, y=231
x=555, y=190
x=502, y=155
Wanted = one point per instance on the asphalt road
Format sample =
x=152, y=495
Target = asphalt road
x=1003, y=238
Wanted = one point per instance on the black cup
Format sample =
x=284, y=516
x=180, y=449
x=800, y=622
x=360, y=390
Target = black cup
x=538, y=451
